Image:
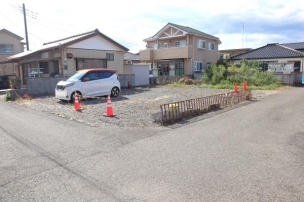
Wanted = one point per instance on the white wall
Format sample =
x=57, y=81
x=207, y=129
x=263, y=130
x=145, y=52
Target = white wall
x=141, y=72
x=97, y=43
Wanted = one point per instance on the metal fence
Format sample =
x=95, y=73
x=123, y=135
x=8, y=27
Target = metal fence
x=178, y=110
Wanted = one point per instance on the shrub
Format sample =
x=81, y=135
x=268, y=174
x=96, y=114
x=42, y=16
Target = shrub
x=7, y=96
x=186, y=80
x=218, y=74
x=235, y=78
x=214, y=74
x=233, y=69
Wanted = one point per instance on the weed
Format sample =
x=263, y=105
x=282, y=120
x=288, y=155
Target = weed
x=7, y=96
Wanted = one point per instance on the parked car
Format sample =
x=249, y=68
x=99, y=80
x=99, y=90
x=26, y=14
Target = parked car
x=89, y=83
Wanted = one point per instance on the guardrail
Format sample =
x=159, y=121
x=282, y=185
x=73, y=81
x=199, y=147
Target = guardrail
x=178, y=110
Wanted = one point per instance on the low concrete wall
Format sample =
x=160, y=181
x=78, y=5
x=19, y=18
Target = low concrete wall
x=126, y=79
x=46, y=86
x=43, y=86
x=290, y=79
x=198, y=75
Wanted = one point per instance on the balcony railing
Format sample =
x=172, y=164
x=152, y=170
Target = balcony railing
x=171, y=52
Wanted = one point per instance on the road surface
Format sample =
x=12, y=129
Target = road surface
x=251, y=153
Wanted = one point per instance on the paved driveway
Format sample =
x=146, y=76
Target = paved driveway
x=251, y=153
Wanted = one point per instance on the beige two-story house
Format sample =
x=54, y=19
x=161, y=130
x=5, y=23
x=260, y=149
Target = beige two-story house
x=10, y=44
x=180, y=50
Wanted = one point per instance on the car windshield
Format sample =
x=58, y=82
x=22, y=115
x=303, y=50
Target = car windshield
x=77, y=76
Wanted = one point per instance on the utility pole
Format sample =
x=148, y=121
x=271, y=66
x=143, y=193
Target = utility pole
x=26, y=36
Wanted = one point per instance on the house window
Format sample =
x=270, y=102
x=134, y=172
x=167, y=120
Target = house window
x=198, y=66
x=211, y=46
x=201, y=44
x=159, y=46
x=110, y=56
x=165, y=45
x=180, y=43
x=44, y=67
x=5, y=49
x=154, y=46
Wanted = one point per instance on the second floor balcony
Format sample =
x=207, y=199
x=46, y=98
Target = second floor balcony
x=151, y=54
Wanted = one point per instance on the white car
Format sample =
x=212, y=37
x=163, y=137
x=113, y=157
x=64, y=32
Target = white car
x=89, y=83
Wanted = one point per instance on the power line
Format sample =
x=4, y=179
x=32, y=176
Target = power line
x=35, y=15
x=11, y=21
x=37, y=37
x=51, y=27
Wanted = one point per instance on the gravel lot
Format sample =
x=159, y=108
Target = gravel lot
x=133, y=107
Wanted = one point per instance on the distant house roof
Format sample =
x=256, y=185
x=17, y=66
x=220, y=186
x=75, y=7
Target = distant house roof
x=131, y=56
x=61, y=43
x=237, y=49
x=188, y=30
x=11, y=33
x=270, y=51
x=296, y=46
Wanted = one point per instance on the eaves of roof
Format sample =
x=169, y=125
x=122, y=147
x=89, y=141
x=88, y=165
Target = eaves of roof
x=11, y=33
x=189, y=30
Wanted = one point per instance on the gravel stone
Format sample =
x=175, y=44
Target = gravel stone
x=132, y=108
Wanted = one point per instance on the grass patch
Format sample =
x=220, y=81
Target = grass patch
x=224, y=86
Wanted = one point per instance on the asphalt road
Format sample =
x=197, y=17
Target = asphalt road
x=251, y=153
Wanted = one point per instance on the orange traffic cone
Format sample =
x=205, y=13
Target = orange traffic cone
x=244, y=85
x=235, y=87
x=76, y=102
x=109, y=107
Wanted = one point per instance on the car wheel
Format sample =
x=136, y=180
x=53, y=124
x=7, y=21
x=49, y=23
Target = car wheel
x=115, y=92
x=73, y=96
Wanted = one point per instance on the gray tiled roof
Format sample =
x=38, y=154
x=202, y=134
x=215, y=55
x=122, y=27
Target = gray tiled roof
x=193, y=31
x=270, y=51
x=131, y=56
x=296, y=46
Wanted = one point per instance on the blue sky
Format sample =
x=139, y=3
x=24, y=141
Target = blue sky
x=238, y=23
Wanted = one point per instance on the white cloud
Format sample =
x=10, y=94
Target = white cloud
x=130, y=22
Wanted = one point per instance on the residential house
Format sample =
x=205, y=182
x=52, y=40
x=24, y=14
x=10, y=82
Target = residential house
x=64, y=57
x=131, y=58
x=10, y=44
x=281, y=59
x=226, y=54
x=180, y=50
